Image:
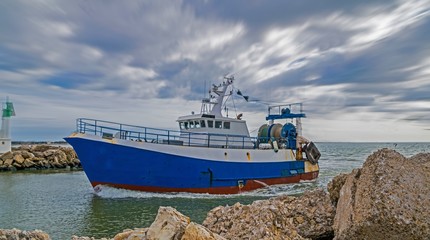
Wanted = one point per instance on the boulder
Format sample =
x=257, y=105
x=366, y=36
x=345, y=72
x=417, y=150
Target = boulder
x=36, y=159
x=136, y=234
x=40, y=148
x=19, y=234
x=70, y=153
x=39, y=154
x=28, y=164
x=45, y=163
x=22, y=147
x=6, y=155
x=308, y=216
x=195, y=231
x=17, y=165
x=8, y=162
x=388, y=198
x=76, y=162
x=81, y=238
x=86, y=238
x=26, y=154
x=334, y=187
x=62, y=157
x=18, y=159
x=49, y=152
x=56, y=164
x=169, y=224
x=313, y=214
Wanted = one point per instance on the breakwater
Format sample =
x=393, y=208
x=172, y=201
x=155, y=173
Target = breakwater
x=387, y=198
x=39, y=157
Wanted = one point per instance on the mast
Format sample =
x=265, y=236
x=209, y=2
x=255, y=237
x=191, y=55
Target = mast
x=5, y=136
x=220, y=92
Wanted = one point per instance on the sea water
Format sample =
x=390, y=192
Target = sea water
x=63, y=203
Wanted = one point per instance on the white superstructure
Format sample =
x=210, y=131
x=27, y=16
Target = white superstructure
x=222, y=131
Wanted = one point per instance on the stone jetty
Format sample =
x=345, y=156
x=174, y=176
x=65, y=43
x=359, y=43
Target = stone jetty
x=39, y=157
x=388, y=198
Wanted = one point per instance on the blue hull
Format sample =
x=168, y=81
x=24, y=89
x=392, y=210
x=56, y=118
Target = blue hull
x=140, y=169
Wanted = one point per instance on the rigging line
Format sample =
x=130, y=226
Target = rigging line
x=234, y=106
x=224, y=105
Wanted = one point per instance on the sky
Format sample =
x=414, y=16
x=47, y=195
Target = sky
x=361, y=68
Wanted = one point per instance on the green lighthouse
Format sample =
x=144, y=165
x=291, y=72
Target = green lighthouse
x=5, y=136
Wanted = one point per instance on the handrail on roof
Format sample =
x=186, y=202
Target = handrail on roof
x=108, y=129
x=283, y=111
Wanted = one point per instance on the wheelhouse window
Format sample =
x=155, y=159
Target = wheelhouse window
x=202, y=123
x=181, y=125
x=226, y=125
x=192, y=124
x=186, y=125
x=218, y=124
x=210, y=123
x=197, y=124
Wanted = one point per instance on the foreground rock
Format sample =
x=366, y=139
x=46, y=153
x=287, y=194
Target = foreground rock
x=13, y=234
x=334, y=187
x=39, y=157
x=169, y=224
x=308, y=216
x=389, y=198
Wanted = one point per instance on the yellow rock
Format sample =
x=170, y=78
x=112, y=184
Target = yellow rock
x=197, y=232
x=18, y=158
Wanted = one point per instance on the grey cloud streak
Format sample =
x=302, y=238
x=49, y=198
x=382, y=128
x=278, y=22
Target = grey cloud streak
x=336, y=56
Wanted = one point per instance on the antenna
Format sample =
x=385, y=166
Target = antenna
x=204, y=90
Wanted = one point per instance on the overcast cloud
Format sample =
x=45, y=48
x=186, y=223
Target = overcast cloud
x=362, y=68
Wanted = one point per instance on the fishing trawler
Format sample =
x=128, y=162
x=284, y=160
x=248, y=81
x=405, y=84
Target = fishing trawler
x=210, y=153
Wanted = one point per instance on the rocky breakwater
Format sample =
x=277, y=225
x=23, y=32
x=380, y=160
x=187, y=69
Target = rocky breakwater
x=388, y=198
x=39, y=157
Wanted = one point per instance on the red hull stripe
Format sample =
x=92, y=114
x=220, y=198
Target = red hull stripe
x=250, y=185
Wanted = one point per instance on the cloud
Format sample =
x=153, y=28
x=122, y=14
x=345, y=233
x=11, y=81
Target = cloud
x=362, y=59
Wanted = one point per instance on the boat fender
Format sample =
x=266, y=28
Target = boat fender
x=275, y=146
x=312, y=153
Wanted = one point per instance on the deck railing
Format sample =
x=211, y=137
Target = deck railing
x=110, y=130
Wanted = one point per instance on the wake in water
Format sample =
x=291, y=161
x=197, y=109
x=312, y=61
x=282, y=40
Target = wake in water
x=108, y=192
